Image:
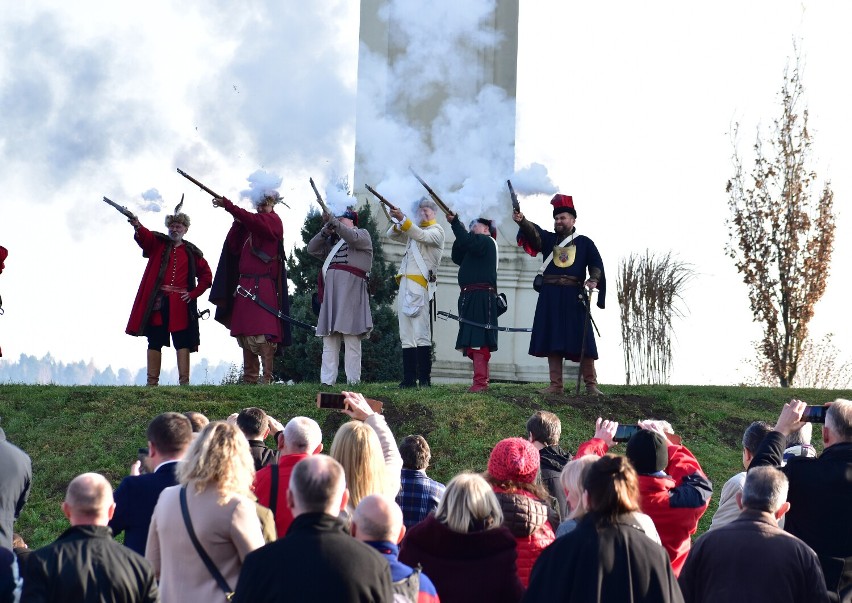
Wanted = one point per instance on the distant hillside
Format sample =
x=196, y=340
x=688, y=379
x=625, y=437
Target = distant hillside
x=70, y=430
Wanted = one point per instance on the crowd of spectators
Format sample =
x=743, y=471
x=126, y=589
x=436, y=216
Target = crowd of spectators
x=211, y=513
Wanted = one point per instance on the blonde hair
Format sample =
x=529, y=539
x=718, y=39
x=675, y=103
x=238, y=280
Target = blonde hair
x=356, y=446
x=571, y=480
x=219, y=457
x=469, y=505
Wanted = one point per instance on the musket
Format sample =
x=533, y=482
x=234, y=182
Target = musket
x=123, y=210
x=381, y=199
x=319, y=199
x=515, y=205
x=199, y=185
x=432, y=193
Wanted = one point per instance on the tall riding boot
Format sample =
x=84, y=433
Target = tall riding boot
x=424, y=365
x=590, y=376
x=251, y=366
x=267, y=356
x=183, y=366
x=554, y=363
x=155, y=358
x=409, y=368
x=480, y=369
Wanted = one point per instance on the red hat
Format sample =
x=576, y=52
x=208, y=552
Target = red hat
x=562, y=203
x=3, y=255
x=515, y=460
x=351, y=214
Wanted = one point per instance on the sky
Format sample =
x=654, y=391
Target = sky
x=628, y=107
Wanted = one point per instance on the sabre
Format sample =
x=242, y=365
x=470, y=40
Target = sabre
x=242, y=291
x=488, y=327
x=587, y=300
x=121, y=209
x=432, y=193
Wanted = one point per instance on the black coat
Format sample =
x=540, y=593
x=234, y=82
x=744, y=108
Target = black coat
x=611, y=563
x=316, y=561
x=820, y=498
x=86, y=565
x=553, y=460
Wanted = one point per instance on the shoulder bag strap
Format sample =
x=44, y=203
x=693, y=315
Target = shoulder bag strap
x=211, y=567
x=273, y=488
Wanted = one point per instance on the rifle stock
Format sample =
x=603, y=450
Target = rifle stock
x=199, y=184
x=121, y=209
x=515, y=205
x=432, y=193
x=381, y=199
x=319, y=198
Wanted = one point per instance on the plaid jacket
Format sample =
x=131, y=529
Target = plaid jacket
x=418, y=495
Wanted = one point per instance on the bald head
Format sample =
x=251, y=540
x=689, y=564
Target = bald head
x=317, y=485
x=377, y=518
x=88, y=500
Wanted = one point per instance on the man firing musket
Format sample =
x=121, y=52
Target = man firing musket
x=417, y=280
x=165, y=306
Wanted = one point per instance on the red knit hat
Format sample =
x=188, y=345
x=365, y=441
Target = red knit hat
x=3, y=255
x=562, y=203
x=514, y=459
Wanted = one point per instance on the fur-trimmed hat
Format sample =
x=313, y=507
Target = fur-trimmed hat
x=178, y=216
x=351, y=214
x=492, y=229
x=563, y=203
x=648, y=451
x=514, y=460
x=269, y=196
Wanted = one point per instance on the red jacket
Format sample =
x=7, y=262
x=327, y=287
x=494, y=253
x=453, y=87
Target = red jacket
x=263, y=489
x=527, y=517
x=157, y=247
x=675, y=501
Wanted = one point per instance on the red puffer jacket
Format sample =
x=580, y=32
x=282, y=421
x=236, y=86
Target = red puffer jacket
x=531, y=522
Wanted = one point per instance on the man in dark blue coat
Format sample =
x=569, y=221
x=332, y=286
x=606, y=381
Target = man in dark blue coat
x=169, y=436
x=560, y=329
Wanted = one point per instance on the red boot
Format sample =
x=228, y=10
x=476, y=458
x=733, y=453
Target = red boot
x=480, y=359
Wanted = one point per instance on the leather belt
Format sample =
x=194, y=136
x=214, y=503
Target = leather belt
x=560, y=280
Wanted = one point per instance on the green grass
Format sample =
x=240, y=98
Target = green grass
x=71, y=430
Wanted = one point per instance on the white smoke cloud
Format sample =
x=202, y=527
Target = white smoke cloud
x=151, y=201
x=261, y=183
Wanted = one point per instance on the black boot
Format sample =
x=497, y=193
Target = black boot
x=424, y=365
x=409, y=368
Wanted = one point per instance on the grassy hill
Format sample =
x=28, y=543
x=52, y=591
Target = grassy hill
x=71, y=430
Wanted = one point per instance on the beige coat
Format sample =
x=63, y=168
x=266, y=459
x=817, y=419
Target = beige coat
x=228, y=532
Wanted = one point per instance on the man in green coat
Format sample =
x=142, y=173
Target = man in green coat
x=475, y=252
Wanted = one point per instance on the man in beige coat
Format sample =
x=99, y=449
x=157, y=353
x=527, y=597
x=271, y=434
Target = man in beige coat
x=344, y=316
x=417, y=281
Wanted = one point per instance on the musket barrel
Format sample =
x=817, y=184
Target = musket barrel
x=432, y=193
x=199, y=184
x=319, y=198
x=381, y=199
x=121, y=209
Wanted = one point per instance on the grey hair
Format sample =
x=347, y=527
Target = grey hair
x=839, y=419
x=765, y=489
x=302, y=434
x=426, y=202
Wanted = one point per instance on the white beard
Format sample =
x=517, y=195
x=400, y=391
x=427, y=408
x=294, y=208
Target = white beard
x=177, y=238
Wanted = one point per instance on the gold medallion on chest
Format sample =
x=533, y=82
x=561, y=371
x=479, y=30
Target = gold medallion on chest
x=563, y=257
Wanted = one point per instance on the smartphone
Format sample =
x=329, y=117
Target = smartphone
x=623, y=433
x=815, y=414
x=330, y=400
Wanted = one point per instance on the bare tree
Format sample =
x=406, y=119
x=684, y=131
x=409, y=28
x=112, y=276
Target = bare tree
x=649, y=289
x=780, y=236
x=820, y=366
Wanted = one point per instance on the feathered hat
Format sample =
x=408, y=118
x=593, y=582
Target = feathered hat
x=563, y=203
x=178, y=216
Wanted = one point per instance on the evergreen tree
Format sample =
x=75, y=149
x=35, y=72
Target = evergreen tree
x=380, y=359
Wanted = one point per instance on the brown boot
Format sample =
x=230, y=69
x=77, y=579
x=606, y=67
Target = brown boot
x=554, y=363
x=155, y=358
x=251, y=366
x=590, y=376
x=183, y=366
x=480, y=359
x=267, y=356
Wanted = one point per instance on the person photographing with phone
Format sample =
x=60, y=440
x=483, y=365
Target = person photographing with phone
x=820, y=494
x=673, y=489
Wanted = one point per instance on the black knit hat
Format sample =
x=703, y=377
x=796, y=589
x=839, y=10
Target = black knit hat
x=648, y=451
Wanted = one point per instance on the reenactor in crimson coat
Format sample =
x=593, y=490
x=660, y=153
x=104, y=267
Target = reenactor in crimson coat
x=176, y=275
